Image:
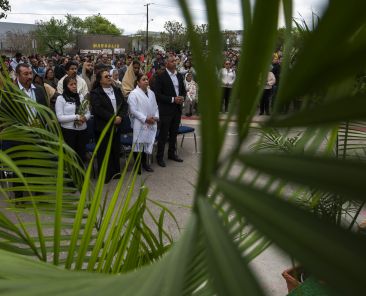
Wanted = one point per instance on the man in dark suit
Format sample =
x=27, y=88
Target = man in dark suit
x=170, y=92
x=24, y=77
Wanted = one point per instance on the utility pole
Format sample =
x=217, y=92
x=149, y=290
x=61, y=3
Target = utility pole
x=147, y=25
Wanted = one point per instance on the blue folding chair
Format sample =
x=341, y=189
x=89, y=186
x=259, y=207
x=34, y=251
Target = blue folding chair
x=4, y=173
x=90, y=146
x=126, y=139
x=183, y=130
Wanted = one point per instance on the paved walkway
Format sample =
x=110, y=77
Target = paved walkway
x=174, y=185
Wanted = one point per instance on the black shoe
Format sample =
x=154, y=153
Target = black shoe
x=148, y=169
x=117, y=176
x=175, y=158
x=20, y=204
x=261, y=113
x=161, y=163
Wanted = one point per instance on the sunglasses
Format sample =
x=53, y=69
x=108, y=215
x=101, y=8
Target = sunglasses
x=107, y=76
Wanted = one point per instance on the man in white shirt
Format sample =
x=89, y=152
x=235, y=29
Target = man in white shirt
x=170, y=92
x=24, y=77
x=71, y=70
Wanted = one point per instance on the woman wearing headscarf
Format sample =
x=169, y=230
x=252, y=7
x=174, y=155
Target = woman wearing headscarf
x=144, y=117
x=107, y=102
x=128, y=82
x=190, y=104
x=72, y=113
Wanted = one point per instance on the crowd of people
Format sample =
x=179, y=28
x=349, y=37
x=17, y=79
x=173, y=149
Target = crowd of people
x=151, y=93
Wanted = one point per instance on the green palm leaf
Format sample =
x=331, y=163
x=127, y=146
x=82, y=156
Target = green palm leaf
x=236, y=211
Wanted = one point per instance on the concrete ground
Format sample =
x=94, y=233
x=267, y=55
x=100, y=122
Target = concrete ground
x=174, y=186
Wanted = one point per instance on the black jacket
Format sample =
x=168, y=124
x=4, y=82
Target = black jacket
x=164, y=92
x=40, y=95
x=102, y=107
x=14, y=111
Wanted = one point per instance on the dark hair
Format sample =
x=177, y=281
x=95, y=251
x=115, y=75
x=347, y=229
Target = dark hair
x=18, y=55
x=68, y=95
x=69, y=64
x=98, y=78
x=35, y=78
x=48, y=70
x=66, y=81
x=136, y=62
x=21, y=65
x=188, y=61
x=138, y=77
x=100, y=67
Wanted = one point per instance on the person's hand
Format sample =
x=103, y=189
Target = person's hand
x=150, y=120
x=82, y=119
x=178, y=100
x=118, y=120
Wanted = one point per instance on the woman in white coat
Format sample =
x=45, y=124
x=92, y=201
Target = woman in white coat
x=144, y=117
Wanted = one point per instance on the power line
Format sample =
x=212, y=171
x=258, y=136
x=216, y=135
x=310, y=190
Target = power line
x=63, y=14
x=194, y=9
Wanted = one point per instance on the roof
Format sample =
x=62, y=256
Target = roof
x=6, y=27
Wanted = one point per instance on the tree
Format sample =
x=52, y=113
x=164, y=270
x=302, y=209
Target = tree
x=19, y=41
x=54, y=35
x=98, y=24
x=202, y=32
x=175, y=36
x=242, y=199
x=232, y=36
x=4, y=6
x=95, y=24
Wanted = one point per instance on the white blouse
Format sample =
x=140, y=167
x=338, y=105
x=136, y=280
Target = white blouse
x=112, y=97
x=227, y=77
x=65, y=112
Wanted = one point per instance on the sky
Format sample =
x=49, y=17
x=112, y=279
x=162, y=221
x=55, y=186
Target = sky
x=130, y=15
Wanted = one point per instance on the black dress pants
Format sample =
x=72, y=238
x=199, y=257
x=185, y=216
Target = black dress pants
x=77, y=140
x=264, y=105
x=226, y=98
x=168, y=126
x=143, y=162
x=114, y=156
